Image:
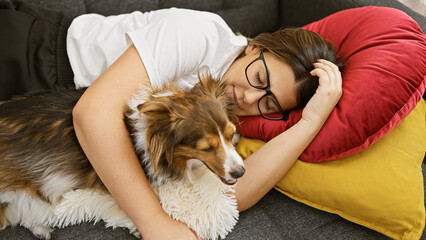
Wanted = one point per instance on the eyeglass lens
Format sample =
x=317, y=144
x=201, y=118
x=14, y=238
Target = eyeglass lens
x=258, y=78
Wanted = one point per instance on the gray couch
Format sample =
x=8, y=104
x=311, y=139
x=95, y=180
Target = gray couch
x=275, y=216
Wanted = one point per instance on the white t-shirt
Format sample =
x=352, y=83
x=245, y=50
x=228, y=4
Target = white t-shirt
x=174, y=44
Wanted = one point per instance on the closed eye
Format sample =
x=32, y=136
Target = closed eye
x=270, y=105
x=267, y=106
x=258, y=79
x=208, y=143
x=209, y=149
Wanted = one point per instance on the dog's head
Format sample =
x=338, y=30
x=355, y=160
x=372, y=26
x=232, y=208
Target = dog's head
x=191, y=124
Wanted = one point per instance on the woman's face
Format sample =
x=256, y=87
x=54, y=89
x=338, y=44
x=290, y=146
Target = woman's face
x=281, y=81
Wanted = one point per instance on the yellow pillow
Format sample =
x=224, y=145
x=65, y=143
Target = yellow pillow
x=380, y=188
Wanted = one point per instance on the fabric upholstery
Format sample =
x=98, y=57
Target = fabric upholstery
x=276, y=216
x=249, y=17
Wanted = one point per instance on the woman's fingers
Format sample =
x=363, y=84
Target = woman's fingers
x=329, y=76
x=321, y=73
x=332, y=69
x=328, y=92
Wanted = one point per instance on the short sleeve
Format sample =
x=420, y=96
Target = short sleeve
x=177, y=42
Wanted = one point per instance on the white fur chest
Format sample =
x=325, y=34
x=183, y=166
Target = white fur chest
x=201, y=201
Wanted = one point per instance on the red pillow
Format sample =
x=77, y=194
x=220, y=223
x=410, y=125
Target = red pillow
x=384, y=77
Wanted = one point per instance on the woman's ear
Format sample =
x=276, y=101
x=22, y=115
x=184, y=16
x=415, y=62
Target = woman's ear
x=251, y=48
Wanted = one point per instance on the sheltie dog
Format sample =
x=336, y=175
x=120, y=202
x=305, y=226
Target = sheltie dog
x=183, y=139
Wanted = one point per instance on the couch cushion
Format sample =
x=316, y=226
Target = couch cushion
x=247, y=17
x=71, y=8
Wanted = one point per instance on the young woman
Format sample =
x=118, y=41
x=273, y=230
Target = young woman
x=273, y=72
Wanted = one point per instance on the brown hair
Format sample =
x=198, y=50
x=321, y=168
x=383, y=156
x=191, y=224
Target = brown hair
x=299, y=48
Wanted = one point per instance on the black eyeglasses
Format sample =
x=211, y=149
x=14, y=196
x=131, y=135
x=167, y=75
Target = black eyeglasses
x=254, y=78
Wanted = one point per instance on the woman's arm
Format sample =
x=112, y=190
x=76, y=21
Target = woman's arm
x=266, y=166
x=101, y=131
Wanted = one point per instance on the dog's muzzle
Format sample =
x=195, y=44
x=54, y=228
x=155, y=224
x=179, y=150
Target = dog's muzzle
x=235, y=175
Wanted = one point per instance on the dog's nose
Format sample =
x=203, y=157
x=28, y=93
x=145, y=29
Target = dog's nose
x=238, y=173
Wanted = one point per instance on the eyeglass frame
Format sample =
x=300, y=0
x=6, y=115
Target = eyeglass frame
x=267, y=89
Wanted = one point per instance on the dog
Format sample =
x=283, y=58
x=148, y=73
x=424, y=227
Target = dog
x=182, y=137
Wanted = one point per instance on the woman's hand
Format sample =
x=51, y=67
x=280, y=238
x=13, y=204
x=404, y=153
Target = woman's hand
x=327, y=95
x=163, y=227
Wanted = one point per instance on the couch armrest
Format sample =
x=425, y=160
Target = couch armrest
x=298, y=13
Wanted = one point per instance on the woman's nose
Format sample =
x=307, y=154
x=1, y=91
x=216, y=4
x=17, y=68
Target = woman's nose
x=253, y=95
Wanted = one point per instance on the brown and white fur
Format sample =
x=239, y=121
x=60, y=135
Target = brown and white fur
x=182, y=137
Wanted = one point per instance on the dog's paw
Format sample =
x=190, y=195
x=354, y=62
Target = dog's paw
x=236, y=138
x=3, y=224
x=137, y=235
x=42, y=232
x=3, y=220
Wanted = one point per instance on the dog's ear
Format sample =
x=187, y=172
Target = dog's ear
x=154, y=107
x=160, y=149
x=160, y=122
x=216, y=88
x=207, y=85
x=157, y=114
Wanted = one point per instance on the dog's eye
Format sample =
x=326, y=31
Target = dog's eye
x=209, y=149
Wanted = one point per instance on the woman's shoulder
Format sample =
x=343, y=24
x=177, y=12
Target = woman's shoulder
x=177, y=13
x=187, y=13
x=187, y=17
